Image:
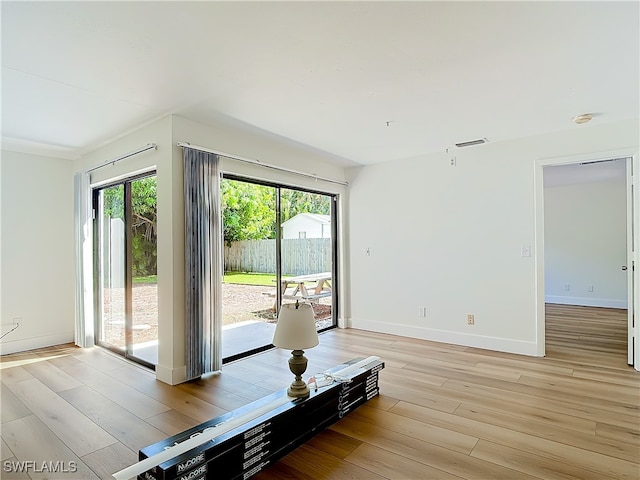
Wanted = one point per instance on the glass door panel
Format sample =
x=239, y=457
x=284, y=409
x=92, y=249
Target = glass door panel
x=112, y=248
x=307, y=252
x=250, y=267
x=126, y=273
x=279, y=247
x=144, y=265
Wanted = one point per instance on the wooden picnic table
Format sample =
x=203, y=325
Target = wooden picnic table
x=307, y=288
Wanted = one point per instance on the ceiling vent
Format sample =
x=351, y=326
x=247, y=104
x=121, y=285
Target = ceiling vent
x=472, y=142
x=602, y=161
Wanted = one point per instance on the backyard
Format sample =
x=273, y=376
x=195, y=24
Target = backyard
x=245, y=296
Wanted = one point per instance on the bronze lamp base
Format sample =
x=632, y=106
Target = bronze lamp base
x=298, y=365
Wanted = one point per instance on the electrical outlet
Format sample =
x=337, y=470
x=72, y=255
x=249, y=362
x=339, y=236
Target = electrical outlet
x=422, y=311
x=471, y=320
x=590, y=288
x=567, y=287
x=14, y=321
x=452, y=161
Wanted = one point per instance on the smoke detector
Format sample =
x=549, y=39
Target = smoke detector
x=583, y=118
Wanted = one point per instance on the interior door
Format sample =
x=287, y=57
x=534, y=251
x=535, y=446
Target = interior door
x=632, y=354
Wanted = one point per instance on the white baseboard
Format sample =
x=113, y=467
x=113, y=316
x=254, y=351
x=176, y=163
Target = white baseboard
x=586, y=301
x=22, y=345
x=172, y=376
x=443, y=336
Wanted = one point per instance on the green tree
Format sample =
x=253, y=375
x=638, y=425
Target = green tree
x=113, y=202
x=248, y=211
x=293, y=202
x=144, y=212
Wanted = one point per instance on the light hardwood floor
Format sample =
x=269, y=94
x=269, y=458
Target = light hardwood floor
x=444, y=412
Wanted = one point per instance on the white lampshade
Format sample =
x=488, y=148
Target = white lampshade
x=296, y=327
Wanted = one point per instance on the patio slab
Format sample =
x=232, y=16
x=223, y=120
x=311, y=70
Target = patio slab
x=245, y=336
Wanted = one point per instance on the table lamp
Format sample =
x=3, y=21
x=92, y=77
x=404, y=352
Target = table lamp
x=296, y=330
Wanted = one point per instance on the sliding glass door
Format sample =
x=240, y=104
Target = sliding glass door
x=126, y=268
x=279, y=247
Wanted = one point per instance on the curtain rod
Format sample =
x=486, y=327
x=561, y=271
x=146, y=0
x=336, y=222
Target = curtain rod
x=148, y=146
x=262, y=164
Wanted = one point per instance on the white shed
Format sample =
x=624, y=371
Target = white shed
x=307, y=225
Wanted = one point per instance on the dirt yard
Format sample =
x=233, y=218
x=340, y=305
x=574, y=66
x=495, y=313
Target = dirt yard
x=239, y=303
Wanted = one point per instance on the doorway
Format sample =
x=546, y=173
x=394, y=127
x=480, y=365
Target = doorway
x=279, y=247
x=126, y=294
x=584, y=241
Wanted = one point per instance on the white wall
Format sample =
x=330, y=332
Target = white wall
x=259, y=146
x=454, y=238
x=585, y=244
x=170, y=226
x=37, y=251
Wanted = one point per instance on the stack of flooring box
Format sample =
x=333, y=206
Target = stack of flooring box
x=245, y=450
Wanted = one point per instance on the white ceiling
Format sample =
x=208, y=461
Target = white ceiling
x=327, y=75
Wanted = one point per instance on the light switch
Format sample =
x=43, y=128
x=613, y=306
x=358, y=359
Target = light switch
x=525, y=251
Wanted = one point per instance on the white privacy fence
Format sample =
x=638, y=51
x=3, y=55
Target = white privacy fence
x=299, y=256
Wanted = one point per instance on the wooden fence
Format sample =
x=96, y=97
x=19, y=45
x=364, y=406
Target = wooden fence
x=299, y=256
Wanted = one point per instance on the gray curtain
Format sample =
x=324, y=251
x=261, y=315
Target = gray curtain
x=84, y=331
x=203, y=269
